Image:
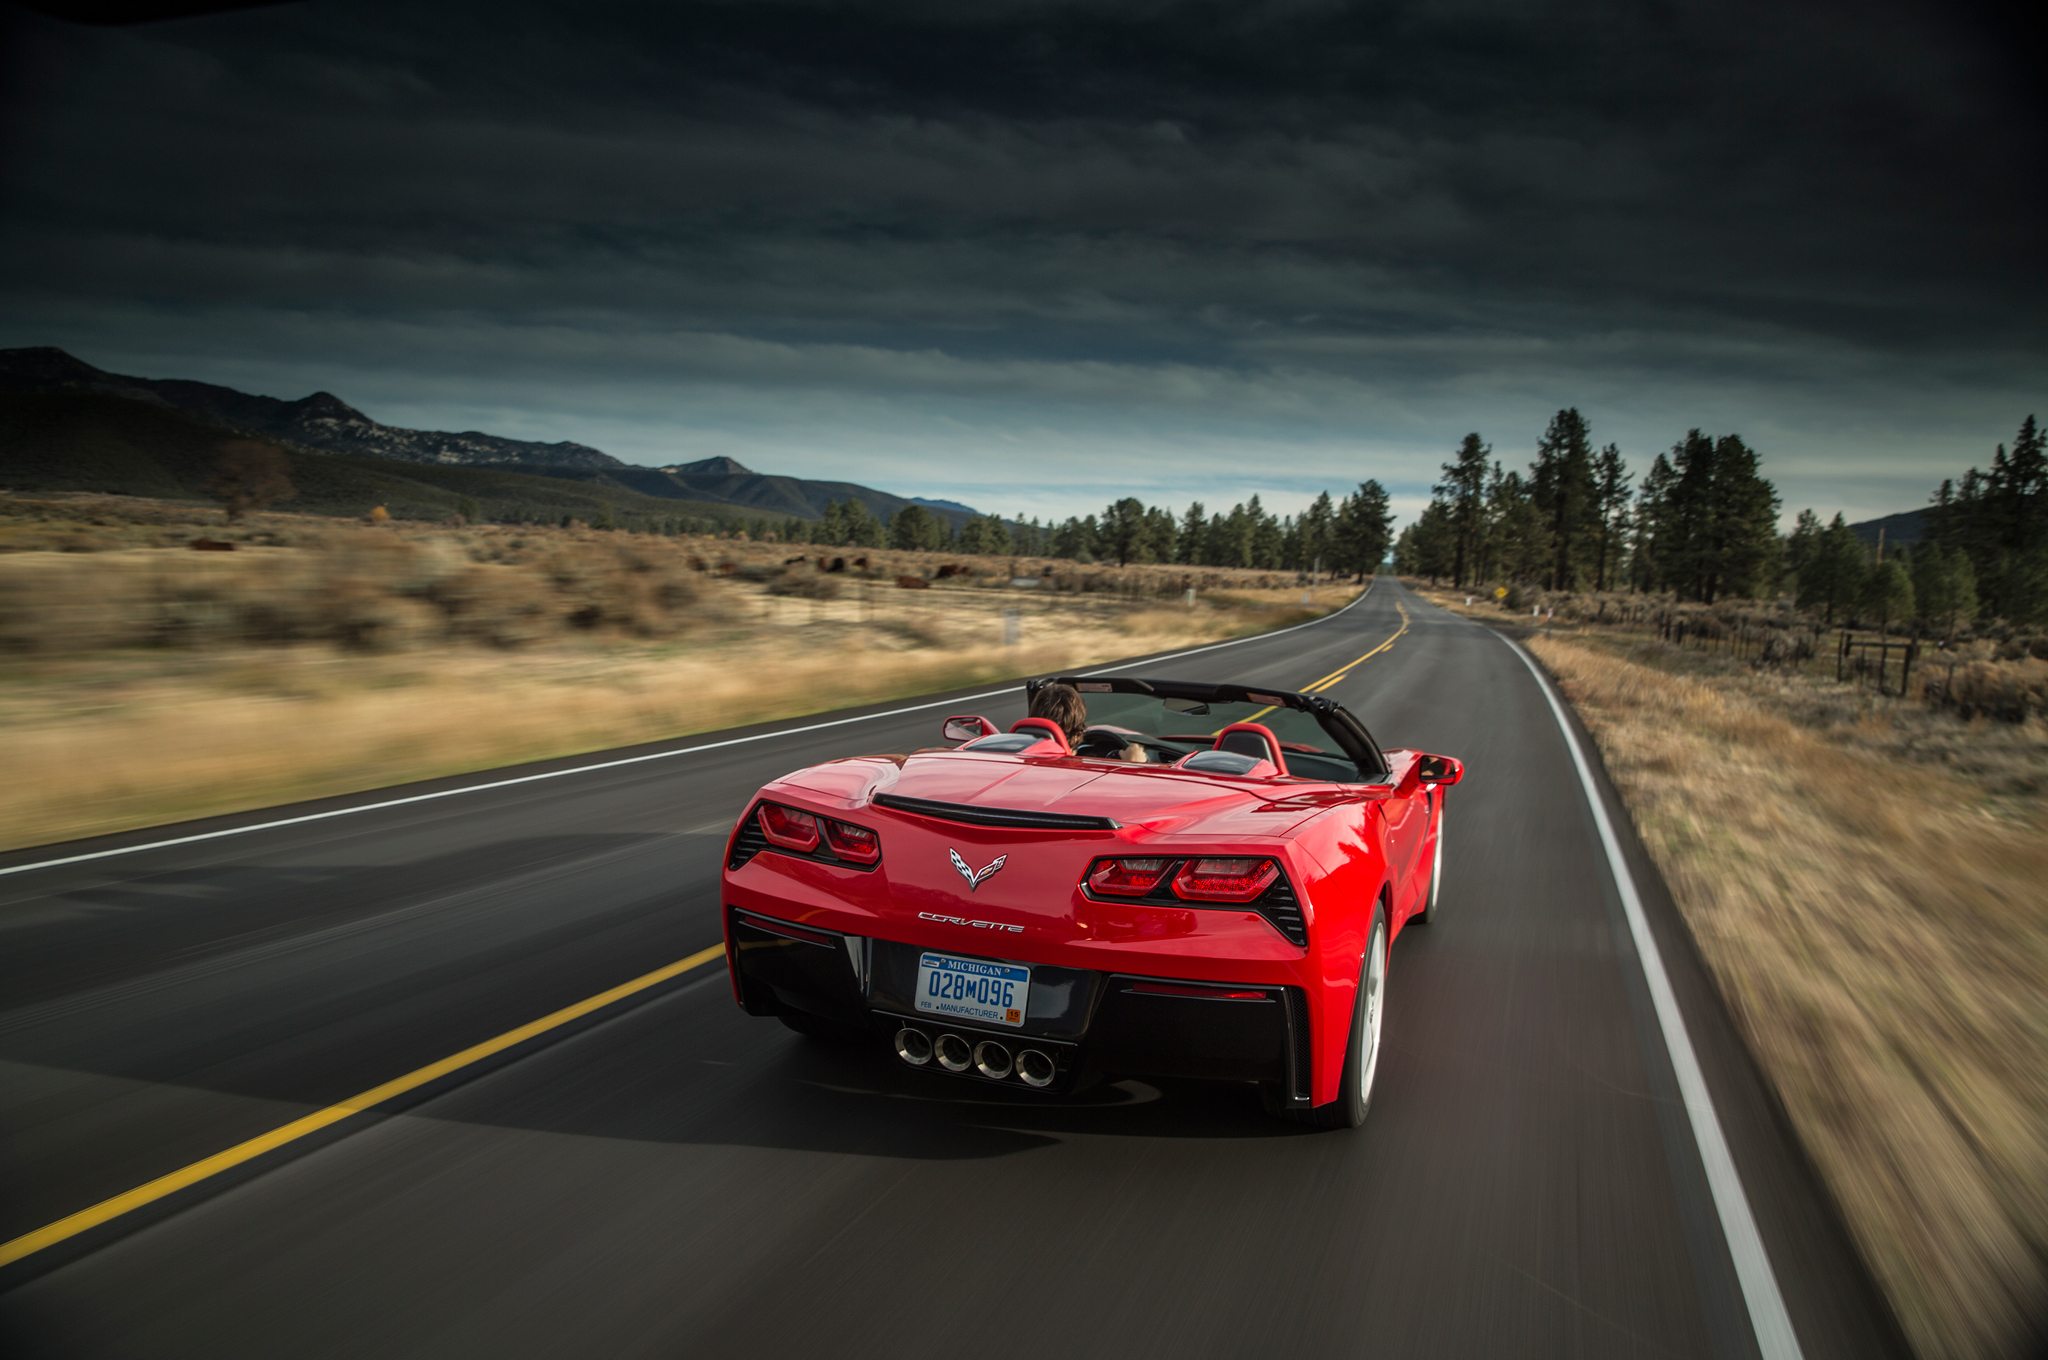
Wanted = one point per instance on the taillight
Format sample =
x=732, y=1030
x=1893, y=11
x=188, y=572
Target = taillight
x=1127, y=877
x=853, y=843
x=1224, y=880
x=789, y=828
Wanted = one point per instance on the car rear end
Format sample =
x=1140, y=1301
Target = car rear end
x=1036, y=948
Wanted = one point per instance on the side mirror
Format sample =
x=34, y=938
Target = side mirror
x=1444, y=770
x=967, y=727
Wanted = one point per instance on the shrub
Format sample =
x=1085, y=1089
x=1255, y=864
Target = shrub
x=2010, y=691
x=804, y=584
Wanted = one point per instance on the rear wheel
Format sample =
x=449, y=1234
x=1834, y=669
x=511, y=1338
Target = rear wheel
x=1362, y=1052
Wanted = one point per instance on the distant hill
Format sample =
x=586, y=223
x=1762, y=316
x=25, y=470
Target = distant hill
x=1902, y=530
x=945, y=507
x=93, y=441
x=324, y=423
x=710, y=467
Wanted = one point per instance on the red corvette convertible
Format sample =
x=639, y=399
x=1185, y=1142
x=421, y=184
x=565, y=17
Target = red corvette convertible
x=1207, y=887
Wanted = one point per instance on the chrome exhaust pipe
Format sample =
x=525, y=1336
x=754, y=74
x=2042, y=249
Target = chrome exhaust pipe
x=992, y=1060
x=1034, y=1069
x=952, y=1052
x=914, y=1046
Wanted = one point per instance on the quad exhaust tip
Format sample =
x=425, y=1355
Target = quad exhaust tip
x=992, y=1060
x=953, y=1053
x=1034, y=1068
x=914, y=1046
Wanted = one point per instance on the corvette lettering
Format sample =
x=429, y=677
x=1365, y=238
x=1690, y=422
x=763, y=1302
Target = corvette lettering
x=971, y=925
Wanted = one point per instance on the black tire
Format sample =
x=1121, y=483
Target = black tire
x=1354, y=1095
x=1427, y=916
x=817, y=1028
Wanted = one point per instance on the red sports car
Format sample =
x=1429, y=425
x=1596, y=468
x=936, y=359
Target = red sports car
x=1207, y=887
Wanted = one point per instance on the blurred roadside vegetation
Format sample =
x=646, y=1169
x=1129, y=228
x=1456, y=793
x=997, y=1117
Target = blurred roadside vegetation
x=1862, y=872
x=1835, y=745
x=161, y=664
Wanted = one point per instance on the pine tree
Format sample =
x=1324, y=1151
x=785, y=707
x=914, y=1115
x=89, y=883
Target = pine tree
x=1742, y=524
x=1193, y=527
x=1428, y=547
x=1317, y=530
x=1563, y=489
x=1464, y=489
x=1944, y=588
x=1519, y=537
x=1648, y=568
x=1364, y=530
x=1122, y=530
x=1802, y=545
x=1887, y=594
x=1611, y=511
x=1160, y=534
x=1265, y=536
x=1835, y=576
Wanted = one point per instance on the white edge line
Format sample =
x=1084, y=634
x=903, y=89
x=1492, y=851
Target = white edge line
x=640, y=759
x=1775, y=1338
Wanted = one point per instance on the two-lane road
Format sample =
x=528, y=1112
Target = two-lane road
x=665, y=1176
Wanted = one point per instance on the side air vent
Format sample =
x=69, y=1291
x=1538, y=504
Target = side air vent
x=985, y=816
x=749, y=843
x=1279, y=907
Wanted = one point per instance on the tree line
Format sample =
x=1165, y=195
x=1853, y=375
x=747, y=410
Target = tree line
x=1702, y=525
x=1349, y=537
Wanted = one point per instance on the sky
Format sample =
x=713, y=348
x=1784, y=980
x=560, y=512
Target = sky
x=1034, y=255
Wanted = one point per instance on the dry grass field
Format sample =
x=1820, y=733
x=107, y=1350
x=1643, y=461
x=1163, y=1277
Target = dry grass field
x=147, y=682
x=1864, y=876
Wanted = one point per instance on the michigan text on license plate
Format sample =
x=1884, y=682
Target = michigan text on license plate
x=972, y=989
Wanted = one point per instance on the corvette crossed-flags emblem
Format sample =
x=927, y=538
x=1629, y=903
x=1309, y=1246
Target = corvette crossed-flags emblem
x=976, y=877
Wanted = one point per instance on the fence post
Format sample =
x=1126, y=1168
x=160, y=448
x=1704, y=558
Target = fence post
x=1842, y=658
x=1906, y=671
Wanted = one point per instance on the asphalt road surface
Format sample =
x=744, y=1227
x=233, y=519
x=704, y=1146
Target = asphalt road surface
x=666, y=1176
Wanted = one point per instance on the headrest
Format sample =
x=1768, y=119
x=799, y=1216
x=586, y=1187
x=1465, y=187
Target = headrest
x=1047, y=726
x=1252, y=739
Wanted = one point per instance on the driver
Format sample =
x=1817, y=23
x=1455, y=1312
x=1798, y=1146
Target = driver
x=1062, y=704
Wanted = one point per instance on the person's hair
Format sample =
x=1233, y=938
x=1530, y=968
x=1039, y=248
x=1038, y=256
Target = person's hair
x=1062, y=704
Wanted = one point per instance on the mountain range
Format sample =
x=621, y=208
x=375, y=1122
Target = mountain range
x=67, y=399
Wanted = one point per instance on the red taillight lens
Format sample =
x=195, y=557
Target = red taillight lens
x=1224, y=880
x=1126, y=877
x=853, y=843
x=789, y=828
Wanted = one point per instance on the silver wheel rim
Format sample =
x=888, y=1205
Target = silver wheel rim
x=1375, y=1001
x=1436, y=870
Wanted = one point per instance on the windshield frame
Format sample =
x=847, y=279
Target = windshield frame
x=1337, y=722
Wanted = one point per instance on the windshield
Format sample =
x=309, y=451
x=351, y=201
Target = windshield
x=1174, y=727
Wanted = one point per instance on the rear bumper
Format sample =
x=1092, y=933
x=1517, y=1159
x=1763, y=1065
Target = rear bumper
x=1092, y=1024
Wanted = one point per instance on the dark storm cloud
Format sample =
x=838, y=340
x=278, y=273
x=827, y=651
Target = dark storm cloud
x=1148, y=245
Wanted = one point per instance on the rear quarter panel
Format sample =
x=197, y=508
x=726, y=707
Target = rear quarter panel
x=1347, y=843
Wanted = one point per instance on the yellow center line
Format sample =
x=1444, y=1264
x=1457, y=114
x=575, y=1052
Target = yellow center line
x=186, y=1176
x=129, y=1201
x=1336, y=675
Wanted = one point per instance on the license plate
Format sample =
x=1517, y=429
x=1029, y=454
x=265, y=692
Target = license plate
x=972, y=989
